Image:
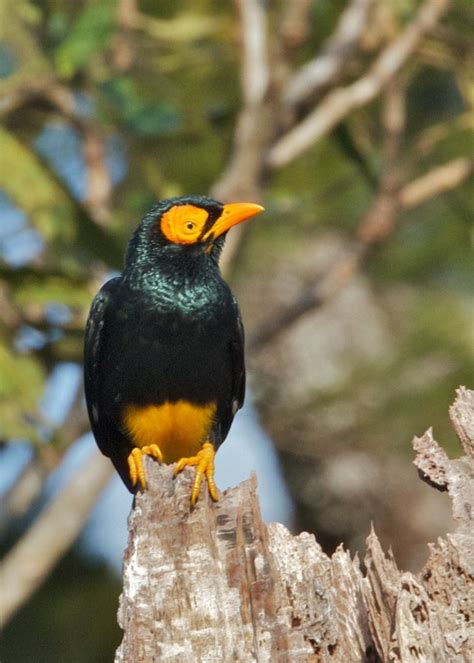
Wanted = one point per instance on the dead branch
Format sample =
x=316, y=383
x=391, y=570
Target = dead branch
x=295, y=22
x=98, y=180
x=461, y=417
x=241, y=179
x=28, y=563
x=98, y=183
x=375, y=227
x=217, y=584
x=123, y=51
x=434, y=134
x=324, y=69
x=26, y=489
x=340, y=102
x=437, y=181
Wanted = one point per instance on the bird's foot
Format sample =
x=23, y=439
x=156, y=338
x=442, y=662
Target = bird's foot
x=135, y=463
x=204, y=460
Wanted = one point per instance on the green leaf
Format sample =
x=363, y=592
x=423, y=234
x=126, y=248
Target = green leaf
x=52, y=290
x=31, y=187
x=143, y=117
x=21, y=385
x=51, y=210
x=28, y=64
x=90, y=35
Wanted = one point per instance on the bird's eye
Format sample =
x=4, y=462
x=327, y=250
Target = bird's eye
x=190, y=225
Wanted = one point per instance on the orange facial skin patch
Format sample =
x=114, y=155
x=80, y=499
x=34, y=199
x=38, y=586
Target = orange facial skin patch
x=183, y=224
x=179, y=429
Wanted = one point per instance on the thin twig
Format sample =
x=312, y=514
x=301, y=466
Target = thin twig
x=24, y=492
x=295, y=23
x=436, y=181
x=324, y=69
x=26, y=93
x=242, y=176
x=255, y=65
x=241, y=179
x=98, y=181
x=378, y=224
x=123, y=51
x=429, y=138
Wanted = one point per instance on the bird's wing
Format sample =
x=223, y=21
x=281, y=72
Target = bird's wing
x=93, y=347
x=228, y=408
x=238, y=364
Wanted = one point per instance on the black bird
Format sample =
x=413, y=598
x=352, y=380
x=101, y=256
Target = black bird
x=164, y=345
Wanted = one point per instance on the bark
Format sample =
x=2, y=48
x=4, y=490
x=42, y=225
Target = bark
x=217, y=584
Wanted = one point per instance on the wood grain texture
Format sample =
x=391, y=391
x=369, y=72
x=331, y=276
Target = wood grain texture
x=217, y=584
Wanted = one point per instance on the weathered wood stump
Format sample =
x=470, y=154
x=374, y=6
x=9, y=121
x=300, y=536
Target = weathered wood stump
x=217, y=584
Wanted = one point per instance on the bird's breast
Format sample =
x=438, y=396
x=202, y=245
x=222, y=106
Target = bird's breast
x=166, y=368
x=179, y=428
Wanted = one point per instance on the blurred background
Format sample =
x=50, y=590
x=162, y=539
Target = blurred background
x=351, y=122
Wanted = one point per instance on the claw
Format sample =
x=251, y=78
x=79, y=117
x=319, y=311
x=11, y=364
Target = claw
x=204, y=460
x=135, y=463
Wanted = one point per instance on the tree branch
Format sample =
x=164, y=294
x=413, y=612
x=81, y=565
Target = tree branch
x=19, y=498
x=28, y=563
x=435, y=182
x=123, y=51
x=98, y=180
x=339, y=103
x=241, y=179
x=376, y=226
x=324, y=69
x=295, y=23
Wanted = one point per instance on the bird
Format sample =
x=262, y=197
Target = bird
x=164, y=369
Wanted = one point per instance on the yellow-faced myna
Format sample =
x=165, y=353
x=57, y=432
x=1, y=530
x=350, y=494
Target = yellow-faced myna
x=164, y=363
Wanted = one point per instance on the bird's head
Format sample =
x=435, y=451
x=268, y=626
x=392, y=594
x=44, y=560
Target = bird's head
x=195, y=222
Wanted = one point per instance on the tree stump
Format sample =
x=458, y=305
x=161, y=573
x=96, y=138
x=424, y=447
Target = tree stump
x=216, y=584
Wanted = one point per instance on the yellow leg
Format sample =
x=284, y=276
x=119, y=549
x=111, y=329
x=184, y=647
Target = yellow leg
x=204, y=460
x=135, y=463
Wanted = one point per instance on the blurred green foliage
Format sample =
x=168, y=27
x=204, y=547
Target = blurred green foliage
x=89, y=34
x=21, y=385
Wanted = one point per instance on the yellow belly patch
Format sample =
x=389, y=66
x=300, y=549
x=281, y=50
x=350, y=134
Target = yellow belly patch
x=179, y=429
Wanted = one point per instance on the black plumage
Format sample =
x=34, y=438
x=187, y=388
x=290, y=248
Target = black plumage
x=167, y=330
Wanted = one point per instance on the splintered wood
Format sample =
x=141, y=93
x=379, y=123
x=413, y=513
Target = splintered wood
x=217, y=584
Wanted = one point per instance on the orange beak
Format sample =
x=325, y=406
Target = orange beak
x=232, y=214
